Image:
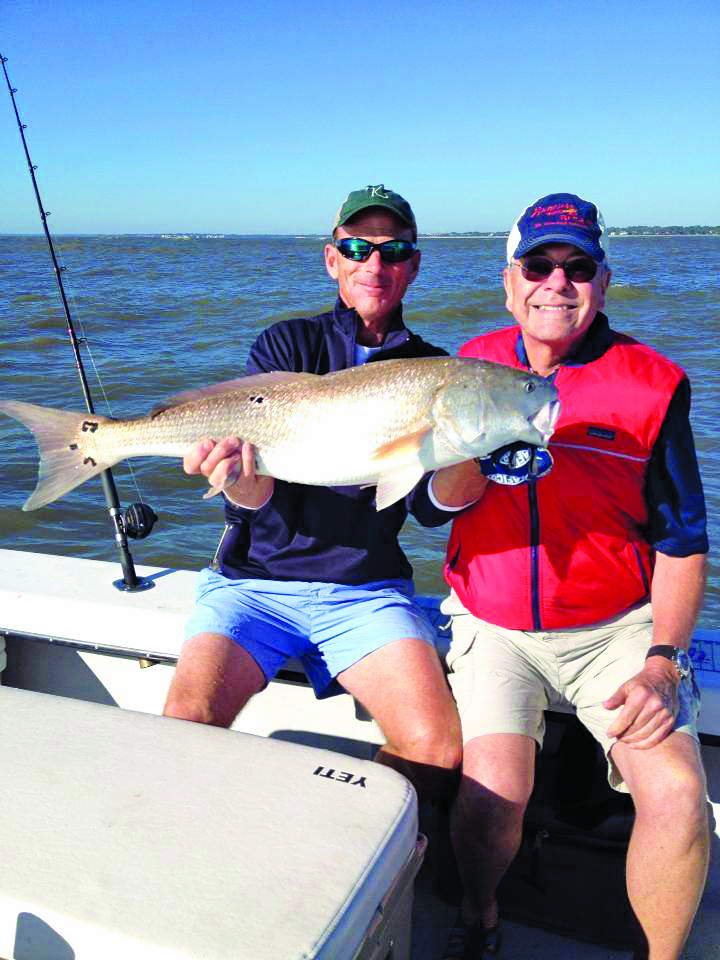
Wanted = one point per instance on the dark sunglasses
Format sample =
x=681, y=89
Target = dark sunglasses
x=579, y=269
x=392, y=251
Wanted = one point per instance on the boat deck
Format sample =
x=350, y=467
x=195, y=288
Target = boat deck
x=69, y=631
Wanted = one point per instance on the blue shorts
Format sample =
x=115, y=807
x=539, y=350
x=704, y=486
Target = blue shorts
x=328, y=626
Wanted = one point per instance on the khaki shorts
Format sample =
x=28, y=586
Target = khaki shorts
x=503, y=680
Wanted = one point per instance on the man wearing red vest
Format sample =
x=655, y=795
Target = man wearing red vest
x=579, y=583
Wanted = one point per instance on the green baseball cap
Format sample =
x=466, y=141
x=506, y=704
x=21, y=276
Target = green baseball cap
x=375, y=196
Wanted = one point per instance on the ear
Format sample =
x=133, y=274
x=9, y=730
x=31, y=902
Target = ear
x=604, y=284
x=331, y=256
x=414, y=266
x=507, y=283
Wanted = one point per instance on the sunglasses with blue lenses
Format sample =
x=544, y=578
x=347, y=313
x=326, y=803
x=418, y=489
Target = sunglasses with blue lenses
x=577, y=269
x=391, y=251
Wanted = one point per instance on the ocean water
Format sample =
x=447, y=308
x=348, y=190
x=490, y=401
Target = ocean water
x=164, y=314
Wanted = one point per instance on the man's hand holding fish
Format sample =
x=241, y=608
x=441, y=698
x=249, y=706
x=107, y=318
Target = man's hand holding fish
x=229, y=466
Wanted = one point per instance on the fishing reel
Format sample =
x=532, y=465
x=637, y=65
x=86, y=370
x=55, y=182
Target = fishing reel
x=138, y=521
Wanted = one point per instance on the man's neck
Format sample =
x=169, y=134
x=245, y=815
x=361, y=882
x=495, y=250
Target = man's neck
x=371, y=331
x=543, y=358
x=370, y=335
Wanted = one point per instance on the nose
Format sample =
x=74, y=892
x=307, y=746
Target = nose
x=557, y=279
x=374, y=261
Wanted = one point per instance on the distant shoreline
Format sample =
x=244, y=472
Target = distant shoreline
x=614, y=233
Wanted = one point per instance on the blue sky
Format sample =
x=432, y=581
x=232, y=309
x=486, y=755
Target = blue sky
x=150, y=116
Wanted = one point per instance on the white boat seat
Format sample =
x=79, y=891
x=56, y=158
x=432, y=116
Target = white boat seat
x=129, y=835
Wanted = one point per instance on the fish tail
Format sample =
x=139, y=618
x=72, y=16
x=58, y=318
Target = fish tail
x=61, y=437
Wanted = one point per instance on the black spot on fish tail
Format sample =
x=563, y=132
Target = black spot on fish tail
x=64, y=463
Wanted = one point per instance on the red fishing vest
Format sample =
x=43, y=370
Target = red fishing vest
x=569, y=549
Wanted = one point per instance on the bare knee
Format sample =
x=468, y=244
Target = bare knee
x=183, y=706
x=403, y=687
x=428, y=754
x=669, y=791
x=216, y=706
x=437, y=744
x=213, y=680
x=678, y=801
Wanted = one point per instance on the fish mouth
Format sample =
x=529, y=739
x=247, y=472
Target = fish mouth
x=545, y=419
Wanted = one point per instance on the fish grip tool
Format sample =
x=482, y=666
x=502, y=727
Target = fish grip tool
x=138, y=519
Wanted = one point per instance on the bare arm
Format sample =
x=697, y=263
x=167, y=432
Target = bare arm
x=459, y=485
x=649, y=699
x=678, y=587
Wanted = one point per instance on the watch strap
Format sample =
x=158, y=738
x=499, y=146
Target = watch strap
x=663, y=650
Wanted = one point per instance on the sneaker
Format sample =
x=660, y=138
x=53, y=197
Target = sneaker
x=472, y=942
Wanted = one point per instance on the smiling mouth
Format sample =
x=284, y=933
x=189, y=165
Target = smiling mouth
x=554, y=307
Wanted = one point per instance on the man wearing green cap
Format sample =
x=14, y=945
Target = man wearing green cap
x=317, y=572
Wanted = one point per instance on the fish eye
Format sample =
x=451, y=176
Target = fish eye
x=529, y=386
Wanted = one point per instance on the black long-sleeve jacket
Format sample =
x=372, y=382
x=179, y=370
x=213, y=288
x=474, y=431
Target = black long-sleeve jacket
x=310, y=533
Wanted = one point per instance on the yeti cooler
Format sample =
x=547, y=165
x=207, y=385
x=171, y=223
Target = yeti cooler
x=125, y=835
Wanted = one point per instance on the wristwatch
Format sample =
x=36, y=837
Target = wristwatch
x=677, y=655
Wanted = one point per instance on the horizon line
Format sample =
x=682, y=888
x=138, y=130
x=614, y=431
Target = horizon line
x=481, y=234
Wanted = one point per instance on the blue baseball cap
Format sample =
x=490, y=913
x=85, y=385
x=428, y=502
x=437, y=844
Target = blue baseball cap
x=559, y=218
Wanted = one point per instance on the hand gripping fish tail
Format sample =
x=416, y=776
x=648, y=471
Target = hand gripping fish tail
x=68, y=451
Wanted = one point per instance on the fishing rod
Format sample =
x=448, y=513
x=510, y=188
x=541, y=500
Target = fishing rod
x=138, y=519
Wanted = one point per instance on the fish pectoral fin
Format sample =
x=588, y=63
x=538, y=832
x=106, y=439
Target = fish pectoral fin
x=256, y=381
x=393, y=486
x=231, y=479
x=402, y=448
x=400, y=467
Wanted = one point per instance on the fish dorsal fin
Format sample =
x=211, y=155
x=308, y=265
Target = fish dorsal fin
x=256, y=381
x=402, y=448
x=396, y=484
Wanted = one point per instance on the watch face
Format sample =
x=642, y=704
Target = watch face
x=683, y=663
